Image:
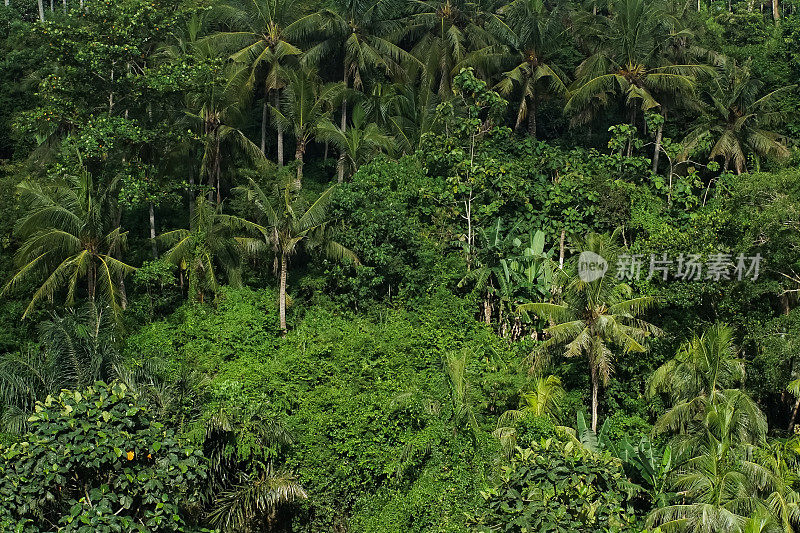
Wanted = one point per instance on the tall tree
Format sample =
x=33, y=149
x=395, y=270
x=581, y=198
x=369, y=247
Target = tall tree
x=208, y=246
x=266, y=35
x=68, y=235
x=307, y=106
x=629, y=61
x=736, y=115
x=288, y=223
x=449, y=35
x=593, y=316
x=357, y=145
x=536, y=40
x=362, y=35
x=705, y=372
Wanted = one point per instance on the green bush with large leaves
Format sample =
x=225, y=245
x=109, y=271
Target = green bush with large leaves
x=95, y=460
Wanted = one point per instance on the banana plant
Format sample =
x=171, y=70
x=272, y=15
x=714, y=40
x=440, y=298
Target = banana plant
x=533, y=263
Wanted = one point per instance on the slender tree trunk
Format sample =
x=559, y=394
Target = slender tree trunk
x=52, y=7
x=153, y=245
x=659, y=134
x=298, y=155
x=487, y=309
x=91, y=276
x=65, y=6
x=794, y=415
x=776, y=12
x=532, y=116
x=282, y=294
x=325, y=157
x=279, y=129
x=340, y=169
x=630, y=139
x=191, y=200
x=41, y=10
x=561, y=249
x=344, y=103
x=595, y=391
x=264, y=112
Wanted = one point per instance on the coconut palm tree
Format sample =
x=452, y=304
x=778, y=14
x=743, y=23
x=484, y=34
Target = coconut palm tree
x=629, y=61
x=357, y=145
x=68, y=236
x=214, y=108
x=536, y=40
x=287, y=223
x=307, y=104
x=593, y=316
x=362, y=35
x=449, y=35
x=208, y=246
x=704, y=375
x=736, y=116
x=266, y=35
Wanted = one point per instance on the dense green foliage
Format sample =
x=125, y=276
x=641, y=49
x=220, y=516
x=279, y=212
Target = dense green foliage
x=393, y=330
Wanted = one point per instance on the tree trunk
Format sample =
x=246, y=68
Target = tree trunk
x=41, y=10
x=279, y=129
x=91, y=276
x=191, y=200
x=344, y=103
x=216, y=169
x=340, y=168
x=153, y=245
x=595, y=391
x=561, y=250
x=52, y=7
x=264, y=111
x=65, y=6
x=282, y=294
x=123, y=294
x=657, y=151
x=298, y=155
x=630, y=139
x=532, y=116
x=776, y=13
x=794, y=415
x=487, y=309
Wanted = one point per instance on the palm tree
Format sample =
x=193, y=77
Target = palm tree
x=735, y=115
x=357, y=145
x=594, y=315
x=78, y=348
x=359, y=34
x=704, y=375
x=536, y=40
x=307, y=107
x=68, y=235
x=215, y=106
x=287, y=223
x=208, y=244
x=629, y=60
x=450, y=35
x=248, y=489
x=266, y=35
